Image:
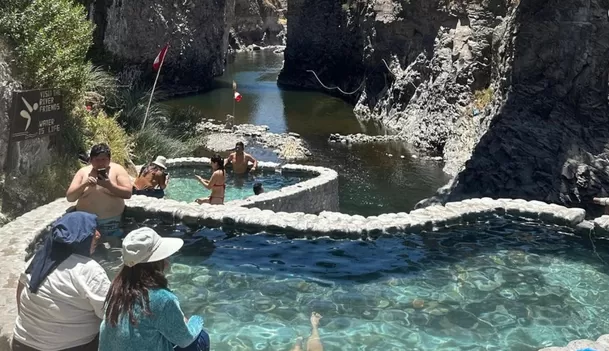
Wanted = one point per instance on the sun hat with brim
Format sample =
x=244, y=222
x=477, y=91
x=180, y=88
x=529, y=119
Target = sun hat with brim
x=161, y=161
x=144, y=245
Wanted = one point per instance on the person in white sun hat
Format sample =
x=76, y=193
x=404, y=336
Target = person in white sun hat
x=153, y=179
x=141, y=312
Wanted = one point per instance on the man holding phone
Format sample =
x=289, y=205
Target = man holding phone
x=101, y=188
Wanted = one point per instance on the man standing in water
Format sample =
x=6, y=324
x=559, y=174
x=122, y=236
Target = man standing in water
x=101, y=188
x=240, y=160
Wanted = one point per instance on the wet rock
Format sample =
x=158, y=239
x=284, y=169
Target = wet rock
x=288, y=146
x=362, y=138
x=222, y=142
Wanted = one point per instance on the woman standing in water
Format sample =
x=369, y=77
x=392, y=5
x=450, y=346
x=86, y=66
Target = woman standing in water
x=217, y=183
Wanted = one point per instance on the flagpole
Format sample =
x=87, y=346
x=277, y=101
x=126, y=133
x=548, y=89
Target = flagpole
x=234, y=100
x=154, y=87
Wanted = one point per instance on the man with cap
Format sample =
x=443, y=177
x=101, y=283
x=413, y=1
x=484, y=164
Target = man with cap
x=153, y=179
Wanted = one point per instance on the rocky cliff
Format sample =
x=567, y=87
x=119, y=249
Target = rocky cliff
x=413, y=66
x=518, y=89
x=259, y=22
x=131, y=33
x=548, y=128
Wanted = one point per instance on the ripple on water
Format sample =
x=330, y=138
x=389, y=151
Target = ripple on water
x=416, y=292
x=185, y=187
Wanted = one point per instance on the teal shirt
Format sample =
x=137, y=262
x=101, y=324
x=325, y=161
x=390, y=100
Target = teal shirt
x=160, y=331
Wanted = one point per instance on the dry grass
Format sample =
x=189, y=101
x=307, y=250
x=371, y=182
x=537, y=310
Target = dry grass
x=483, y=97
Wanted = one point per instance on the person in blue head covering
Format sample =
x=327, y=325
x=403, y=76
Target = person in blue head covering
x=61, y=294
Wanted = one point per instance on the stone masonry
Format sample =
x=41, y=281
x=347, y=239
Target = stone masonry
x=20, y=236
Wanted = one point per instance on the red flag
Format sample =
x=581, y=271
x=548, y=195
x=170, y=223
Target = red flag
x=160, y=57
x=237, y=96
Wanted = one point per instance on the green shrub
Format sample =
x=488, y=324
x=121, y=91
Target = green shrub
x=152, y=141
x=483, y=97
x=50, y=40
x=182, y=121
x=104, y=129
x=130, y=107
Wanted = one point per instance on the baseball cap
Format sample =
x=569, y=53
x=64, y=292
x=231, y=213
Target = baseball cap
x=144, y=245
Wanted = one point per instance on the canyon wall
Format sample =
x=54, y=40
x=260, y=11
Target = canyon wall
x=513, y=94
x=414, y=66
x=549, y=131
x=131, y=33
x=258, y=22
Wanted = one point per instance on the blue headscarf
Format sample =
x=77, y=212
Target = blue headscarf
x=70, y=234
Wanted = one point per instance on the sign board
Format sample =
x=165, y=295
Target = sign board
x=36, y=113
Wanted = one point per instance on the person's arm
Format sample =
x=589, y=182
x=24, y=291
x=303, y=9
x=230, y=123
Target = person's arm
x=164, y=180
x=77, y=187
x=204, y=182
x=251, y=159
x=175, y=327
x=229, y=159
x=94, y=285
x=123, y=187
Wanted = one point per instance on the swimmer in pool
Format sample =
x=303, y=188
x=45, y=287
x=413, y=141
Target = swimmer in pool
x=240, y=160
x=314, y=341
x=217, y=183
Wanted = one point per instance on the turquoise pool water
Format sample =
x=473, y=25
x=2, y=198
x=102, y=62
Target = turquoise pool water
x=183, y=186
x=497, y=286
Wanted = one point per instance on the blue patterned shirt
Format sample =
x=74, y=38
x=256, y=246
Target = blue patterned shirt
x=160, y=331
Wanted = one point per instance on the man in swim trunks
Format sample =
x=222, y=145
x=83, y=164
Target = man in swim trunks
x=101, y=188
x=240, y=160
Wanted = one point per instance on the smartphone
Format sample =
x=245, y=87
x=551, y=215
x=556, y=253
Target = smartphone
x=102, y=174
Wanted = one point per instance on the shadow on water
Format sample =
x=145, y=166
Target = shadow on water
x=371, y=182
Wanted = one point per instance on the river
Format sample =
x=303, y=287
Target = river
x=371, y=181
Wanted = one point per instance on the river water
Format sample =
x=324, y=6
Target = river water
x=371, y=181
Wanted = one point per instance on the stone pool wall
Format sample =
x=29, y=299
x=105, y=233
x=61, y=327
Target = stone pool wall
x=19, y=236
x=310, y=196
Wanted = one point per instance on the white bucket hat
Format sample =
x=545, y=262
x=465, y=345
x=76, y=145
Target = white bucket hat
x=144, y=245
x=161, y=162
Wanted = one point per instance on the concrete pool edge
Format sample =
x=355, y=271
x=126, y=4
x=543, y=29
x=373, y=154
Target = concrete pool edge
x=310, y=196
x=20, y=235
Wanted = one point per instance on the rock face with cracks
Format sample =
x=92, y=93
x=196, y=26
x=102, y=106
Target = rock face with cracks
x=512, y=94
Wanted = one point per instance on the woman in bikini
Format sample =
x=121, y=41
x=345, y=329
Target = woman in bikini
x=217, y=183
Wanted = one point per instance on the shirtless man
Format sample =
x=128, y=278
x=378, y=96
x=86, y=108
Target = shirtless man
x=240, y=160
x=101, y=189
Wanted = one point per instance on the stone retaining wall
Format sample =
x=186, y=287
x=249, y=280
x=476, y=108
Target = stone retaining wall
x=19, y=236
x=310, y=196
